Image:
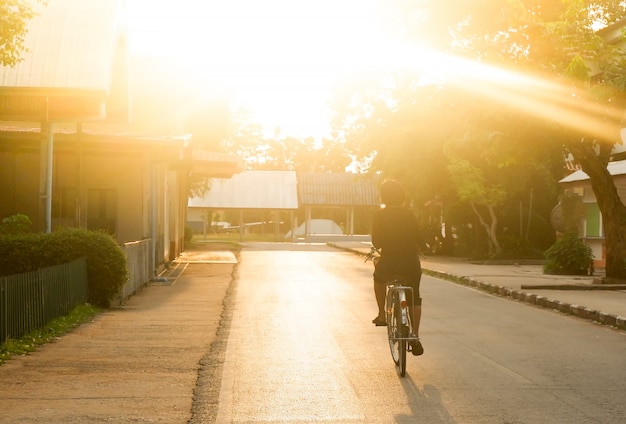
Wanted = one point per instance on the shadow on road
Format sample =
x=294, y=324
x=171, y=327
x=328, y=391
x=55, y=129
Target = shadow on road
x=425, y=403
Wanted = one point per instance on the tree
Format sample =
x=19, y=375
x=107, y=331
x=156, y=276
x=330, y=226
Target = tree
x=465, y=160
x=474, y=188
x=579, y=48
x=261, y=151
x=14, y=18
x=583, y=77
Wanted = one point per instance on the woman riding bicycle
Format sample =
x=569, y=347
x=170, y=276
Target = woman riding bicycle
x=395, y=233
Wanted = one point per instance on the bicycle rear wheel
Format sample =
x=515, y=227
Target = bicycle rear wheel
x=396, y=332
x=392, y=326
x=402, y=334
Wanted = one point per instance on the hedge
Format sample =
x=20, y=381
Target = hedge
x=106, y=262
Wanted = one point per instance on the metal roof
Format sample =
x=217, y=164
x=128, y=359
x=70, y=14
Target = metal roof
x=251, y=190
x=337, y=189
x=71, y=44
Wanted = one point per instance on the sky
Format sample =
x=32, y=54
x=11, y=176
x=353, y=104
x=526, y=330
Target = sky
x=278, y=58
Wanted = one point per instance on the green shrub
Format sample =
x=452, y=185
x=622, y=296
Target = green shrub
x=106, y=262
x=16, y=224
x=569, y=256
x=514, y=247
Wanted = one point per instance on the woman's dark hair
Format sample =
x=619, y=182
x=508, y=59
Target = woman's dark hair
x=391, y=193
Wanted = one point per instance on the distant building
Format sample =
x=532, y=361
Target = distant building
x=590, y=228
x=309, y=194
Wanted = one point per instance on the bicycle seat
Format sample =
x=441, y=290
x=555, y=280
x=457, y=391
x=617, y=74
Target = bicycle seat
x=397, y=280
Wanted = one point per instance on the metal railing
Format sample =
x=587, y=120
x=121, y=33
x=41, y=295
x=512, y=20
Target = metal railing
x=138, y=263
x=29, y=301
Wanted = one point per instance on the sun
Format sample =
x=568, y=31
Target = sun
x=280, y=58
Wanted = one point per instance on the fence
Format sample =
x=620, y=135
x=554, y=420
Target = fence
x=31, y=300
x=138, y=263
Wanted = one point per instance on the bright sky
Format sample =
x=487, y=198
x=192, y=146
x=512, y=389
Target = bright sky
x=279, y=57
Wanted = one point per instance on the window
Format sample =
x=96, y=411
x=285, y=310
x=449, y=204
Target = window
x=593, y=220
x=64, y=203
x=102, y=210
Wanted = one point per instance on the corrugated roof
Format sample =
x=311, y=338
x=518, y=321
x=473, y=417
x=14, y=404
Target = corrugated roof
x=337, y=189
x=251, y=190
x=71, y=45
x=614, y=168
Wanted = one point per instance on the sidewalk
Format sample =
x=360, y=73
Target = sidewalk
x=576, y=295
x=149, y=361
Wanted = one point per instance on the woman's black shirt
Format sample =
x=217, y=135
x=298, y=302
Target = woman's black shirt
x=395, y=233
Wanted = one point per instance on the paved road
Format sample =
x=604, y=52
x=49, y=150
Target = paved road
x=300, y=349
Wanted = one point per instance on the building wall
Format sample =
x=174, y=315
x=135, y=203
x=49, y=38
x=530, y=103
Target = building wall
x=19, y=174
x=131, y=190
x=122, y=177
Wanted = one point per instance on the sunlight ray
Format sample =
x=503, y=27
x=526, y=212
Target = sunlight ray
x=561, y=103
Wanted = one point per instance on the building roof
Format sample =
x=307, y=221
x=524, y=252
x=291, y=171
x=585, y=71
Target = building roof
x=70, y=44
x=76, y=54
x=251, y=190
x=615, y=168
x=613, y=34
x=337, y=189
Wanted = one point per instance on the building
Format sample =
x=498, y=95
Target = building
x=345, y=197
x=67, y=157
x=271, y=191
x=590, y=227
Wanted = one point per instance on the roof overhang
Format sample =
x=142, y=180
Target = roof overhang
x=616, y=168
x=51, y=104
x=210, y=164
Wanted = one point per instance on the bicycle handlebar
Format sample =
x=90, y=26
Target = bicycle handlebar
x=372, y=254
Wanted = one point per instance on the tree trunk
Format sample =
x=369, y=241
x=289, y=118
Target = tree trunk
x=613, y=216
x=490, y=229
x=493, y=229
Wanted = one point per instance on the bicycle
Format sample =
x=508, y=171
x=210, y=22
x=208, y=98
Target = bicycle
x=399, y=316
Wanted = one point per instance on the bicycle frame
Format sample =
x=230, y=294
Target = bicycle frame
x=405, y=308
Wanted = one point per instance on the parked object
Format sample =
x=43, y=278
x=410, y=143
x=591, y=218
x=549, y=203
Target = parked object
x=316, y=226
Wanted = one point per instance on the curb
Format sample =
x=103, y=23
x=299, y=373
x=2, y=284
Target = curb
x=579, y=311
x=537, y=300
x=574, y=286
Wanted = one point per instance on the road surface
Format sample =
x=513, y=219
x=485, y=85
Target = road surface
x=301, y=349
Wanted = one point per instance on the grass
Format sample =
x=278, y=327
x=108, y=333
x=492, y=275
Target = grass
x=55, y=328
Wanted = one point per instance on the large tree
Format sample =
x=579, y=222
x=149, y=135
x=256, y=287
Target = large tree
x=582, y=76
x=14, y=18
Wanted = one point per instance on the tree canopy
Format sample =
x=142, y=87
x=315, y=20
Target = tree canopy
x=14, y=18
x=530, y=80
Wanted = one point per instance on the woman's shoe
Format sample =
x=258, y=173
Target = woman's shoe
x=379, y=322
x=416, y=347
